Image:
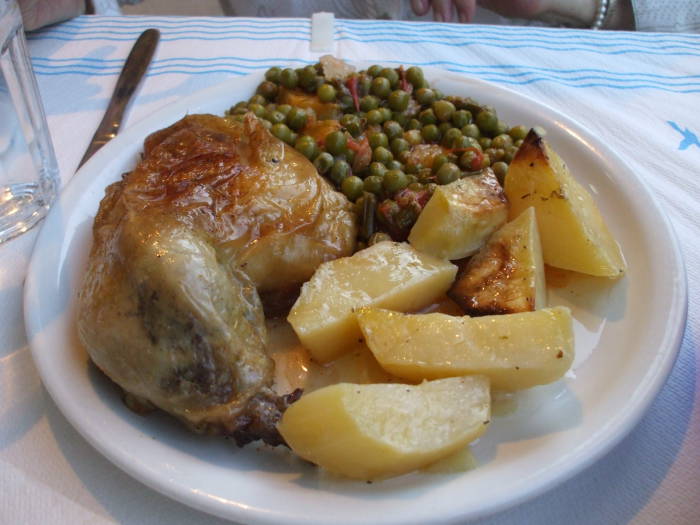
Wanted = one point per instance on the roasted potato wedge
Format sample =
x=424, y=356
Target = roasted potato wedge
x=507, y=275
x=460, y=216
x=377, y=431
x=573, y=233
x=515, y=351
x=388, y=275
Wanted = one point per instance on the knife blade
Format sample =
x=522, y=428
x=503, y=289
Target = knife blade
x=135, y=67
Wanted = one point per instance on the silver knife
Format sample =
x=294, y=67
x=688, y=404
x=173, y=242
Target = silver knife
x=134, y=68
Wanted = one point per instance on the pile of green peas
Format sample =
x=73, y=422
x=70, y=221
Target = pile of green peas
x=384, y=113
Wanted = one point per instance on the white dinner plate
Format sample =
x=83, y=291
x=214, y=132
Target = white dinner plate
x=628, y=334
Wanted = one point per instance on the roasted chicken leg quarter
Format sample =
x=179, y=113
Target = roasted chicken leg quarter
x=216, y=215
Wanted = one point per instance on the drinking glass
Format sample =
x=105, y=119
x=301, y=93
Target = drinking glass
x=28, y=170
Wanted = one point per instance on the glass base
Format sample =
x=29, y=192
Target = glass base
x=22, y=206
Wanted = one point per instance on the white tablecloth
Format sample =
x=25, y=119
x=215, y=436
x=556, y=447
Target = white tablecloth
x=639, y=92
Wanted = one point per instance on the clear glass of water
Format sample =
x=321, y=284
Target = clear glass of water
x=28, y=170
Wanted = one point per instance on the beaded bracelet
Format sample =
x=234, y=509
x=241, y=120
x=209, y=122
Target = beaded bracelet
x=601, y=14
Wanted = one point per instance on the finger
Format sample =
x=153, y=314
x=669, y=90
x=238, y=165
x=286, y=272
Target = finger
x=420, y=7
x=442, y=10
x=516, y=8
x=465, y=10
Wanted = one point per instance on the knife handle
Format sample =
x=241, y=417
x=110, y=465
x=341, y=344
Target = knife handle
x=129, y=79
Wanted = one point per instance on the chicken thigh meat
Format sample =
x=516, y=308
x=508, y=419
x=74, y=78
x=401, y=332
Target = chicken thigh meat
x=216, y=215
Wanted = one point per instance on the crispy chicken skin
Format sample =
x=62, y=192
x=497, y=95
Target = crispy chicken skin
x=216, y=214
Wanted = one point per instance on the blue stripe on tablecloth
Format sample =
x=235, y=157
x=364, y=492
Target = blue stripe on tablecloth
x=509, y=70
x=670, y=50
x=497, y=74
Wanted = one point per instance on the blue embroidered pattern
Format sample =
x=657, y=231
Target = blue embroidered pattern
x=689, y=138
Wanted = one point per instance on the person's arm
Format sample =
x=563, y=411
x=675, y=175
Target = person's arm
x=38, y=13
x=574, y=12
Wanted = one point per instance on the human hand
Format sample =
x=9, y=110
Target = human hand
x=443, y=9
x=38, y=13
x=580, y=10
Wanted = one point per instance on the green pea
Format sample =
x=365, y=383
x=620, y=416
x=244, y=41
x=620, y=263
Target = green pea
x=378, y=139
x=487, y=122
x=469, y=160
x=443, y=127
x=296, y=118
x=390, y=74
x=518, y=132
x=368, y=103
x=323, y=162
x=404, y=156
x=257, y=109
x=273, y=74
x=276, y=117
x=284, y=109
x=386, y=114
x=450, y=137
x=447, y=173
x=349, y=156
x=461, y=118
x=399, y=145
x=413, y=137
x=501, y=128
x=374, y=116
x=377, y=169
x=485, y=161
x=471, y=130
x=518, y=143
x=326, y=93
x=444, y=109
x=352, y=187
x=282, y=132
x=373, y=184
x=510, y=153
x=414, y=75
x=374, y=70
x=430, y=133
x=266, y=123
x=306, y=76
x=398, y=100
x=336, y=143
x=316, y=83
x=267, y=89
x=339, y=171
x=485, y=143
x=394, y=165
x=289, y=78
x=306, y=145
x=438, y=162
x=346, y=103
x=352, y=124
x=392, y=129
x=364, y=83
x=256, y=99
x=382, y=154
x=427, y=116
x=500, y=169
x=425, y=96
x=502, y=141
x=400, y=118
x=412, y=168
x=394, y=180
x=414, y=123
x=495, y=154
x=381, y=87
x=465, y=142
